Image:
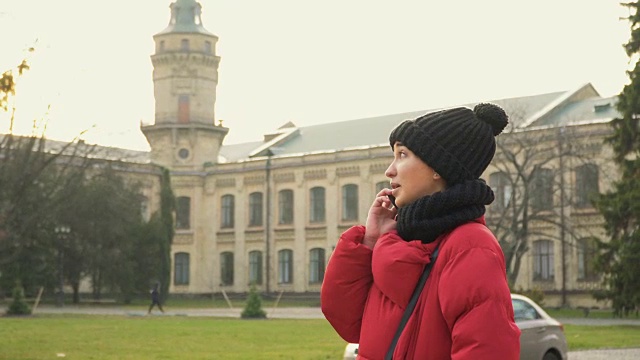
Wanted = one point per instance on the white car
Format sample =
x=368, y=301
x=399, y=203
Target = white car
x=542, y=336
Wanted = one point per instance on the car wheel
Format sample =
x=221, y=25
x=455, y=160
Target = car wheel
x=551, y=356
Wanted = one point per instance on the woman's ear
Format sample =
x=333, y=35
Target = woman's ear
x=436, y=176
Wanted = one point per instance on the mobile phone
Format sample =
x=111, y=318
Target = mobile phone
x=393, y=200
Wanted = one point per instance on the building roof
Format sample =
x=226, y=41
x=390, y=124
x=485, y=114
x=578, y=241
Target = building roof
x=580, y=105
x=93, y=151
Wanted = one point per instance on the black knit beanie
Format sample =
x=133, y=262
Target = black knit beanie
x=457, y=143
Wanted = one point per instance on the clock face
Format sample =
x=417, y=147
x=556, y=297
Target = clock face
x=183, y=153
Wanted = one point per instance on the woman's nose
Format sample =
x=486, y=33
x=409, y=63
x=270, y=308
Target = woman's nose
x=391, y=171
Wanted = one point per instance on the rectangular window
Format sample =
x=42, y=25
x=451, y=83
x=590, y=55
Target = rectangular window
x=184, y=44
x=255, y=267
x=285, y=207
x=586, y=256
x=285, y=267
x=586, y=184
x=542, y=190
x=255, y=209
x=350, y=202
x=207, y=47
x=227, y=212
x=183, y=212
x=226, y=268
x=181, y=269
x=501, y=186
x=183, y=109
x=543, y=266
x=316, y=266
x=317, y=214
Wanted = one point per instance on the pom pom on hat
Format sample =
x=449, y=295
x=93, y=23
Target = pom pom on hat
x=493, y=115
x=458, y=143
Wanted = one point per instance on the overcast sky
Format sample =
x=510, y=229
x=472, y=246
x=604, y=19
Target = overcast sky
x=305, y=61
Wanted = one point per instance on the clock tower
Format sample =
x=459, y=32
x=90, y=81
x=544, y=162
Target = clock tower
x=185, y=76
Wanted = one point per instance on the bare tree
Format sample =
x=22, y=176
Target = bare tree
x=532, y=181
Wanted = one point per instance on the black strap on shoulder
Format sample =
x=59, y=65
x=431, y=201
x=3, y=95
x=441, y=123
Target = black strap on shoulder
x=412, y=304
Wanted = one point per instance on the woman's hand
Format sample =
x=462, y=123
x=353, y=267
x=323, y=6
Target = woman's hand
x=381, y=218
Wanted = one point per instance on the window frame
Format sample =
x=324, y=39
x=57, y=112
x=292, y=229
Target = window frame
x=543, y=260
x=227, y=211
x=226, y=268
x=255, y=267
x=183, y=213
x=256, y=209
x=285, y=207
x=181, y=271
x=350, y=202
x=317, y=269
x=587, y=184
x=285, y=266
x=317, y=207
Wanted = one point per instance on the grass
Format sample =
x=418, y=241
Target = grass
x=114, y=337
x=600, y=337
x=579, y=313
x=175, y=337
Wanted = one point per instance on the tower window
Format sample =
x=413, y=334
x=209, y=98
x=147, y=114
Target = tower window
x=207, y=47
x=184, y=45
x=161, y=47
x=183, y=109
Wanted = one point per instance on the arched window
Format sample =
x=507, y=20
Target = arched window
x=316, y=266
x=181, y=269
x=586, y=184
x=228, y=205
x=255, y=209
x=285, y=207
x=226, y=268
x=317, y=211
x=255, y=267
x=350, y=202
x=543, y=265
x=382, y=185
x=285, y=266
x=183, y=212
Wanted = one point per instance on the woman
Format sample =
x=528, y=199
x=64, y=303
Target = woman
x=464, y=310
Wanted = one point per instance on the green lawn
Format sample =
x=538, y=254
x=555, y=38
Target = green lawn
x=176, y=337
x=597, y=337
x=159, y=337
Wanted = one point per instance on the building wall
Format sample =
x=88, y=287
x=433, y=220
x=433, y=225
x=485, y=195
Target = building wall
x=363, y=167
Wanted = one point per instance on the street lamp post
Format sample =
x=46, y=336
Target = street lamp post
x=61, y=234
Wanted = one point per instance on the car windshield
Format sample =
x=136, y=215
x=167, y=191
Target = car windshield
x=524, y=311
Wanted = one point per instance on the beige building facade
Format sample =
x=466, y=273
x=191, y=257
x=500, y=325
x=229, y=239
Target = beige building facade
x=270, y=212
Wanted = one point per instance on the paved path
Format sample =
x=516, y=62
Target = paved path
x=617, y=354
x=315, y=313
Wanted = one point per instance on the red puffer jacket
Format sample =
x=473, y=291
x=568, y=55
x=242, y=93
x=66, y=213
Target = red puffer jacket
x=464, y=311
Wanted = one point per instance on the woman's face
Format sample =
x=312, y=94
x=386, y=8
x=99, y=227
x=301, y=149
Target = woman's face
x=410, y=177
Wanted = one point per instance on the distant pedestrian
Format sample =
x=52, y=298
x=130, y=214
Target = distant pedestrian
x=155, y=298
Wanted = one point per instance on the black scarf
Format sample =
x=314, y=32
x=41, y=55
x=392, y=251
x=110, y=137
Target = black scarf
x=428, y=217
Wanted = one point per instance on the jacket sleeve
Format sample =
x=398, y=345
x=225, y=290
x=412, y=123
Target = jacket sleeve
x=346, y=284
x=476, y=304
